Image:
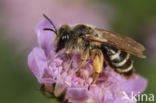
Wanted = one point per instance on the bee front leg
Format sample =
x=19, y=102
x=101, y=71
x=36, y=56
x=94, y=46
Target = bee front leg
x=68, y=53
x=84, y=57
x=97, y=57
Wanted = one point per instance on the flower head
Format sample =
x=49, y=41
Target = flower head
x=59, y=76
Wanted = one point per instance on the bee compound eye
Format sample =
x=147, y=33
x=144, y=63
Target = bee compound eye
x=65, y=37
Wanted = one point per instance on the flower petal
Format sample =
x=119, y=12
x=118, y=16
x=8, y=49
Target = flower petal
x=45, y=38
x=77, y=95
x=37, y=62
x=135, y=85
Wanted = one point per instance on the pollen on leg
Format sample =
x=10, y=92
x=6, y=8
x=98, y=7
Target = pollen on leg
x=97, y=58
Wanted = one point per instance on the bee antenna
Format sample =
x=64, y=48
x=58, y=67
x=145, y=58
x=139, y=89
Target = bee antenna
x=50, y=21
x=49, y=29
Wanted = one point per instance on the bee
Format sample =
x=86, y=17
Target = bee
x=96, y=44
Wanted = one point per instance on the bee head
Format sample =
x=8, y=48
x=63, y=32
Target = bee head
x=64, y=32
x=62, y=37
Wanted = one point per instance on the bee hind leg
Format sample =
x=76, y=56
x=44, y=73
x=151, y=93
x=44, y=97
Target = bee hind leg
x=97, y=57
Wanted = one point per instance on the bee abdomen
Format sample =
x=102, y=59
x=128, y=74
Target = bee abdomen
x=120, y=61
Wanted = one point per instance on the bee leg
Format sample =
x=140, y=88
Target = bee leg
x=97, y=57
x=84, y=57
x=68, y=53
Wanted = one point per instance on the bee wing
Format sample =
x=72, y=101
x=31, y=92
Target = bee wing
x=119, y=41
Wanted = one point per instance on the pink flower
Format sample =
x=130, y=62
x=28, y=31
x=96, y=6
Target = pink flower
x=58, y=73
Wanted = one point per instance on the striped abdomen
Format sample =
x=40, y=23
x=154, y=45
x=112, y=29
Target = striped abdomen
x=119, y=60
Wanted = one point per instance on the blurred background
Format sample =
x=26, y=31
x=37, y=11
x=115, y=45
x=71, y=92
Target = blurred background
x=18, y=19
